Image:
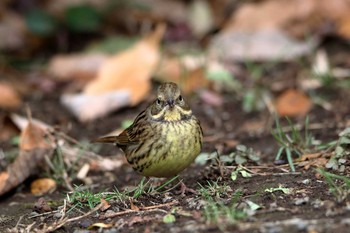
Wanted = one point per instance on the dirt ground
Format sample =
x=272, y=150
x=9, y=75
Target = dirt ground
x=308, y=206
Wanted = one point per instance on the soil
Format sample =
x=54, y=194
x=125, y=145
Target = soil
x=308, y=207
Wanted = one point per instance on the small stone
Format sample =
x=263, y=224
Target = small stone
x=57, y=215
x=85, y=223
x=301, y=201
x=306, y=181
x=33, y=214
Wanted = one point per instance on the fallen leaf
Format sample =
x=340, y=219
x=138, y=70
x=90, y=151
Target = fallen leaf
x=259, y=45
x=89, y=107
x=317, y=162
x=76, y=66
x=9, y=97
x=309, y=156
x=293, y=103
x=122, y=80
x=188, y=71
x=133, y=206
x=273, y=14
x=105, y=205
x=130, y=70
x=34, y=147
x=42, y=186
x=41, y=206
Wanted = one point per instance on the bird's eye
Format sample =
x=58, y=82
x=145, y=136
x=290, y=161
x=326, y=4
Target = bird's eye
x=180, y=98
x=158, y=102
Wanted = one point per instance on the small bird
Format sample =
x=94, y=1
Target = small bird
x=164, y=139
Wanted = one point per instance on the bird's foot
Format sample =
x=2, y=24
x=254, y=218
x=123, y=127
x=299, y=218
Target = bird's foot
x=184, y=189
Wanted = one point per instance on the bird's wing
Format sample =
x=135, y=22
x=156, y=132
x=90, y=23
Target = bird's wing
x=131, y=134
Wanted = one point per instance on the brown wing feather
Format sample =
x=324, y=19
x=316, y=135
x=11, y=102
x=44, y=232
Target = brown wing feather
x=128, y=136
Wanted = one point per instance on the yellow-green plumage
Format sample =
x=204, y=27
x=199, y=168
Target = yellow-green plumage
x=164, y=139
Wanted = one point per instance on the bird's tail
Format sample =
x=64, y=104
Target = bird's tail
x=106, y=139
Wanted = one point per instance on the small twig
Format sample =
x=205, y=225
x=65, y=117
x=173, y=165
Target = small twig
x=43, y=214
x=19, y=220
x=65, y=220
x=147, y=208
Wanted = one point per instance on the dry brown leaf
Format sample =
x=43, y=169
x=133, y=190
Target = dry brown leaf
x=105, y=205
x=133, y=206
x=317, y=162
x=76, y=66
x=122, y=80
x=293, y=103
x=34, y=146
x=42, y=186
x=300, y=18
x=309, y=156
x=188, y=72
x=129, y=70
x=41, y=206
x=272, y=14
x=9, y=97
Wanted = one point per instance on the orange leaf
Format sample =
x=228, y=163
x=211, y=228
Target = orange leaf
x=34, y=146
x=9, y=98
x=188, y=72
x=309, y=156
x=130, y=70
x=41, y=186
x=293, y=103
x=33, y=137
x=76, y=66
x=105, y=205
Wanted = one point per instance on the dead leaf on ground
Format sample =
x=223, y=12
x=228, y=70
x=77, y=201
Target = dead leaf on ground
x=9, y=97
x=122, y=80
x=41, y=206
x=42, y=186
x=309, y=156
x=34, y=146
x=133, y=206
x=260, y=45
x=298, y=17
x=187, y=71
x=105, y=205
x=83, y=66
x=293, y=103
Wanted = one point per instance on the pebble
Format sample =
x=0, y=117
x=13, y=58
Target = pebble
x=301, y=201
x=57, y=215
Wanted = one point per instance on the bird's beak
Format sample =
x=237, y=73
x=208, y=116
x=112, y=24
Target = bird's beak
x=171, y=103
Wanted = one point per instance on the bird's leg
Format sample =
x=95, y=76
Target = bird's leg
x=184, y=189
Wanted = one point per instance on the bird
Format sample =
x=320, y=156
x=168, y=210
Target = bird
x=164, y=139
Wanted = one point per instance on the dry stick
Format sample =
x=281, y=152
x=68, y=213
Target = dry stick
x=43, y=214
x=134, y=211
x=19, y=220
x=63, y=221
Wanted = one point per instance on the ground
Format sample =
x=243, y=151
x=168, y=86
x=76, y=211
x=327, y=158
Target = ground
x=298, y=201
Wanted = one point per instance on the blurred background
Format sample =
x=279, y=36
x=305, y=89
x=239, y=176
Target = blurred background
x=268, y=79
x=241, y=63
